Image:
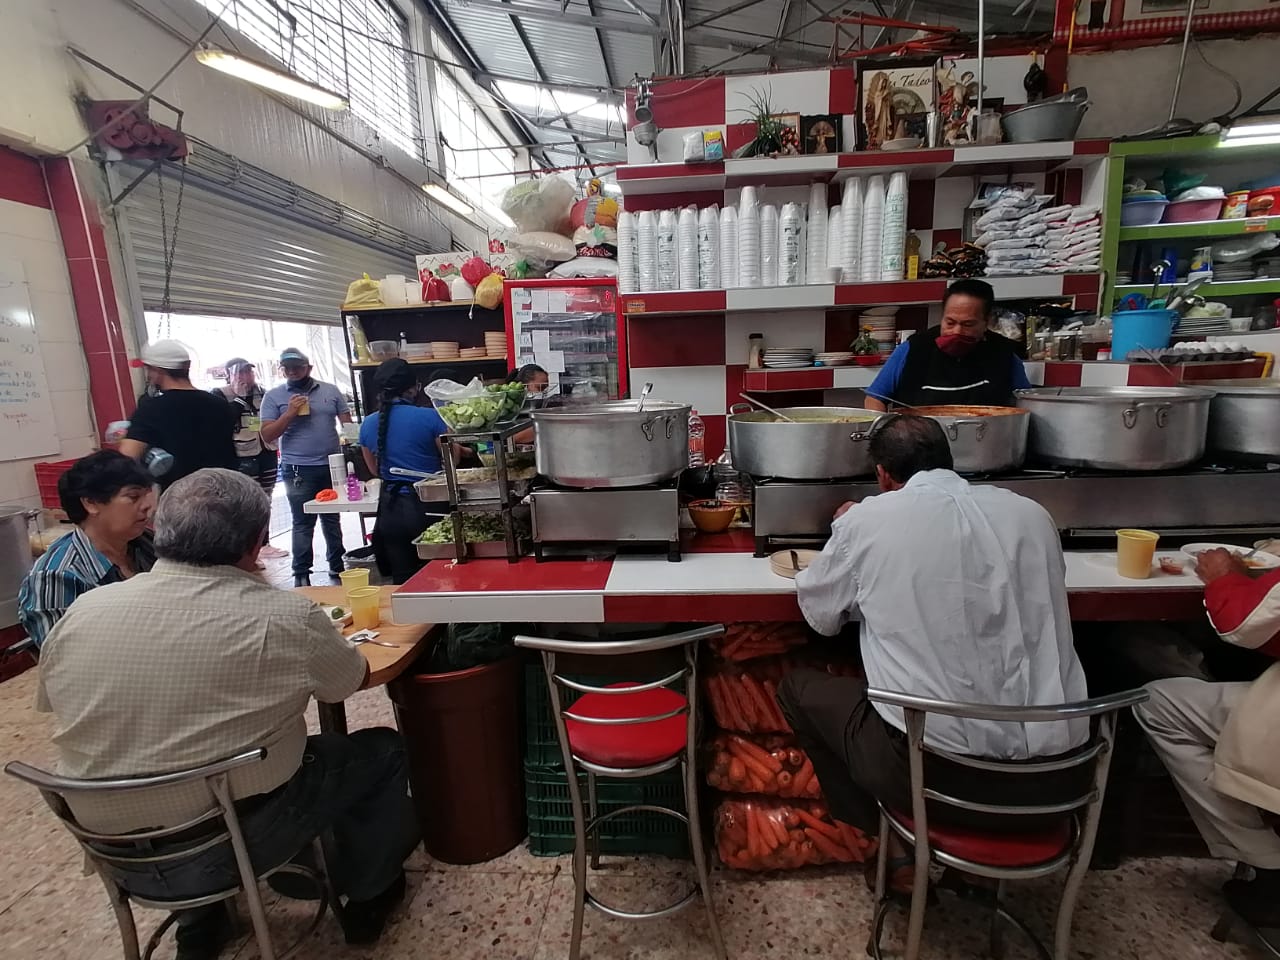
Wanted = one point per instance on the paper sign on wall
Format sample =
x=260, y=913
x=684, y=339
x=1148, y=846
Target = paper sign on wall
x=551, y=361
x=541, y=341
x=27, y=427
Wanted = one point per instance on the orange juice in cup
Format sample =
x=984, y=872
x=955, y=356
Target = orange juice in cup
x=1135, y=549
x=364, y=607
x=304, y=410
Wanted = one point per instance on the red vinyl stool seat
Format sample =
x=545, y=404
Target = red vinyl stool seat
x=997, y=849
x=628, y=744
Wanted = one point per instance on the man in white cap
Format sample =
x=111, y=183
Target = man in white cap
x=196, y=428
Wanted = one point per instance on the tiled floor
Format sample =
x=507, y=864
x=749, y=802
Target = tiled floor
x=519, y=907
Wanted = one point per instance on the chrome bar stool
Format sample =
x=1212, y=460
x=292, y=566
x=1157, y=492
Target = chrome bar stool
x=628, y=730
x=217, y=825
x=999, y=856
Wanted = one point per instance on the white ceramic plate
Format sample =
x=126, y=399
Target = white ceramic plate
x=781, y=564
x=338, y=622
x=1259, y=561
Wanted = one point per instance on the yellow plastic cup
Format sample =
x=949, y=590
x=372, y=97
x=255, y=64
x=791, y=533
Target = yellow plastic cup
x=1135, y=549
x=364, y=607
x=354, y=579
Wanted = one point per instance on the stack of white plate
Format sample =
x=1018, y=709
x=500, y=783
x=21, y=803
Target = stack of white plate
x=1201, y=327
x=1229, y=272
x=883, y=322
x=495, y=343
x=444, y=349
x=835, y=358
x=416, y=352
x=781, y=358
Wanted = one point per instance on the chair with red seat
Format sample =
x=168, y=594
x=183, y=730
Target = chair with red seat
x=628, y=730
x=1065, y=843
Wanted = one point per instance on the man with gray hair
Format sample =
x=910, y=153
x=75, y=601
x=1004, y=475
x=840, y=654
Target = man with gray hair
x=198, y=660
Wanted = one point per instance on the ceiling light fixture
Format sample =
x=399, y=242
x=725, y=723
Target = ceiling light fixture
x=271, y=78
x=442, y=194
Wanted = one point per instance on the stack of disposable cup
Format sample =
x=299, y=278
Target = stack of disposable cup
x=790, y=240
x=835, y=234
x=708, y=249
x=729, y=247
x=769, y=245
x=687, y=247
x=872, y=227
x=626, y=252
x=747, y=200
x=816, y=241
x=647, y=251
x=668, y=263
x=894, y=234
x=749, y=247
x=851, y=224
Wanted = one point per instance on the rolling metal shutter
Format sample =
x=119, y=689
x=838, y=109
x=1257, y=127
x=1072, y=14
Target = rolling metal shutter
x=237, y=256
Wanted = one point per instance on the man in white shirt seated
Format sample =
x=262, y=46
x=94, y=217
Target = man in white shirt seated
x=962, y=595
x=199, y=660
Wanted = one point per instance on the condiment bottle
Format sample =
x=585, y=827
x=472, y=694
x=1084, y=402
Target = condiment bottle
x=697, y=440
x=353, y=485
x=912, y=255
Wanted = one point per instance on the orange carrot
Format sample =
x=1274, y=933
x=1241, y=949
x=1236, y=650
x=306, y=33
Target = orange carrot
x=784, y=780
x=759, y=754
x=826, y=829
x=768, y=839
x=733, y=718
x=802, y=778
x=850, y=837
x=777, y=827
x=716, y=696
x=753, y=835
x=827, y=846
x=760, y=702
x=737, y=771
x=751, y=763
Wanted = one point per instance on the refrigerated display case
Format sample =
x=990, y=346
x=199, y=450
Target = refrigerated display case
x=571, y=328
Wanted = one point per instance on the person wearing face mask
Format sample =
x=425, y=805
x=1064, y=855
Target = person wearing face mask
x=257, y=457
x=110, y=499
x=960, y=361
x=302, y=415
x=403, y=435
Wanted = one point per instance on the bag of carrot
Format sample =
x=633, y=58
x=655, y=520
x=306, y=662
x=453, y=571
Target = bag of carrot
x=744, y=697
x=762, y=834
x=771, y=765
x=751, y=641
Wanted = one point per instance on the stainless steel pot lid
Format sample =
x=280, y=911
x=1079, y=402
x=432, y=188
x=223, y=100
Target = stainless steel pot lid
x=592, y=411
x=1114, y=394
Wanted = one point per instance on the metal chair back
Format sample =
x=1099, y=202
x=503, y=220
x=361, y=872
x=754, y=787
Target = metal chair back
x=1085, y=807
x=104, y=850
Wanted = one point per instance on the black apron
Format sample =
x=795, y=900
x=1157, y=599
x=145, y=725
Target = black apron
x=401, y=518
x=982, y=377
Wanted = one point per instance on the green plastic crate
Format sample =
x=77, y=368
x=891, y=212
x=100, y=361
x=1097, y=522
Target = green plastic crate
x=641, y=832
x=542, y=745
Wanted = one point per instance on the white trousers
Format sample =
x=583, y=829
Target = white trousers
x=1184, y=719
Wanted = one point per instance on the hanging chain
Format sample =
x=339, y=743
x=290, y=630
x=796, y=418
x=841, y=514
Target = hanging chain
x=169, y=240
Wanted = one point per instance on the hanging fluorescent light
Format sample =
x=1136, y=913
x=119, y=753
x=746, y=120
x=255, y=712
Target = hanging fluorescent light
x=1252, y=131
x=442, y=194
x=271, y=78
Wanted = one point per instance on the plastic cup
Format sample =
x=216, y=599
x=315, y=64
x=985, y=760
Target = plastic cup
x=353, y=580
x=1135, y=549
x=364, y=607
x=304, y=410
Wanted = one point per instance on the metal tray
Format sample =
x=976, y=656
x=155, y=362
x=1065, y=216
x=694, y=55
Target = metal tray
x=470, y=491
x=446, y=551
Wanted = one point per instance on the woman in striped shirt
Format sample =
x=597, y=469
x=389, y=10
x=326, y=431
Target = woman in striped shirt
x=110, y=499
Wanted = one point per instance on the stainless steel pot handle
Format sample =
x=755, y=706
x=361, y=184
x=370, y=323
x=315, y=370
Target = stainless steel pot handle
x=647, y=427
x=859, y=435
x=953, y=428
x=671, y=426
x=1161, y=408
x=738, y=408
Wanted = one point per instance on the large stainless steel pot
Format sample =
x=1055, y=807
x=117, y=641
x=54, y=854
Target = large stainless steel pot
x=983, y=439
x=1244, y=417
x=612, y=444
x=1117, y=428
x=814, y=449
x=15, y=559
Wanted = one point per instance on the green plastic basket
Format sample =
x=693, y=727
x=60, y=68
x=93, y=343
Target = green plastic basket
x=641, y=832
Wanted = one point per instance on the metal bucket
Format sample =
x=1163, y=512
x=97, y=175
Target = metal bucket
x=15, y=559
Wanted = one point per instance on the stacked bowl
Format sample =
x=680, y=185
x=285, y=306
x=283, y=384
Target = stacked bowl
x=495, y=343
x=883, y=322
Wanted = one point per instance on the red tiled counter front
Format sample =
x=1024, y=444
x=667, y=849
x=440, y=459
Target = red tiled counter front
x=715, y=586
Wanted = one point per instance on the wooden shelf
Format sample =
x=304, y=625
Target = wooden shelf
x=1201, y=228
x=920, y=164
x=844, y=295
x=1236, y=288
x=373, y=365
x=420, y=307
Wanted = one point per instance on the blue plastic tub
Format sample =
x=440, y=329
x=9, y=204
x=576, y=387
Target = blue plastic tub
x=1140, y=329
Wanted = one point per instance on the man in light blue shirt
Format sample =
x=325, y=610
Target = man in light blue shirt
x=303, y=413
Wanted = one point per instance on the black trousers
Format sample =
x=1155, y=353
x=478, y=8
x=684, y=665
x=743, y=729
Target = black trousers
x=862, y=760
x=401, y=519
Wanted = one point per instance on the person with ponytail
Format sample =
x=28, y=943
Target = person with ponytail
x=403, y=435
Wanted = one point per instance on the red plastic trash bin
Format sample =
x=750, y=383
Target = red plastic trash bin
x=462, y=734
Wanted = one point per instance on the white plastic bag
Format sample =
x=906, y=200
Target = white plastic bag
x=542, y=247
x=1242, y=248
x=541, y=204
x=585, y=267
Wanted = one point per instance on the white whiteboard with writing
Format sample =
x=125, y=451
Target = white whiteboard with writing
x=27, y=427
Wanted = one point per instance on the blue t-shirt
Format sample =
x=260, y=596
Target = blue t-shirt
x=885, y=385
x=308, y=441
x=411, y=440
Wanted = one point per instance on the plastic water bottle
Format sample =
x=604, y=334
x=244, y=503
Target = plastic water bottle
x=697, y=440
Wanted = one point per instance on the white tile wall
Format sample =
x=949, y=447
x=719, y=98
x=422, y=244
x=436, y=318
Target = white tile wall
x=30, y=234
x=702, y=387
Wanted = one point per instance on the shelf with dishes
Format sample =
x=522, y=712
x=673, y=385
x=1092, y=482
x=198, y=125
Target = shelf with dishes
x=435, y=305
x=918, y=164
x=807, y=378
x=429, y=361
x=837, y=295
x=1236, y=288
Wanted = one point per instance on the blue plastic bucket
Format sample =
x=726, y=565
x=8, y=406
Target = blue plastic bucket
x=1140, y=329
